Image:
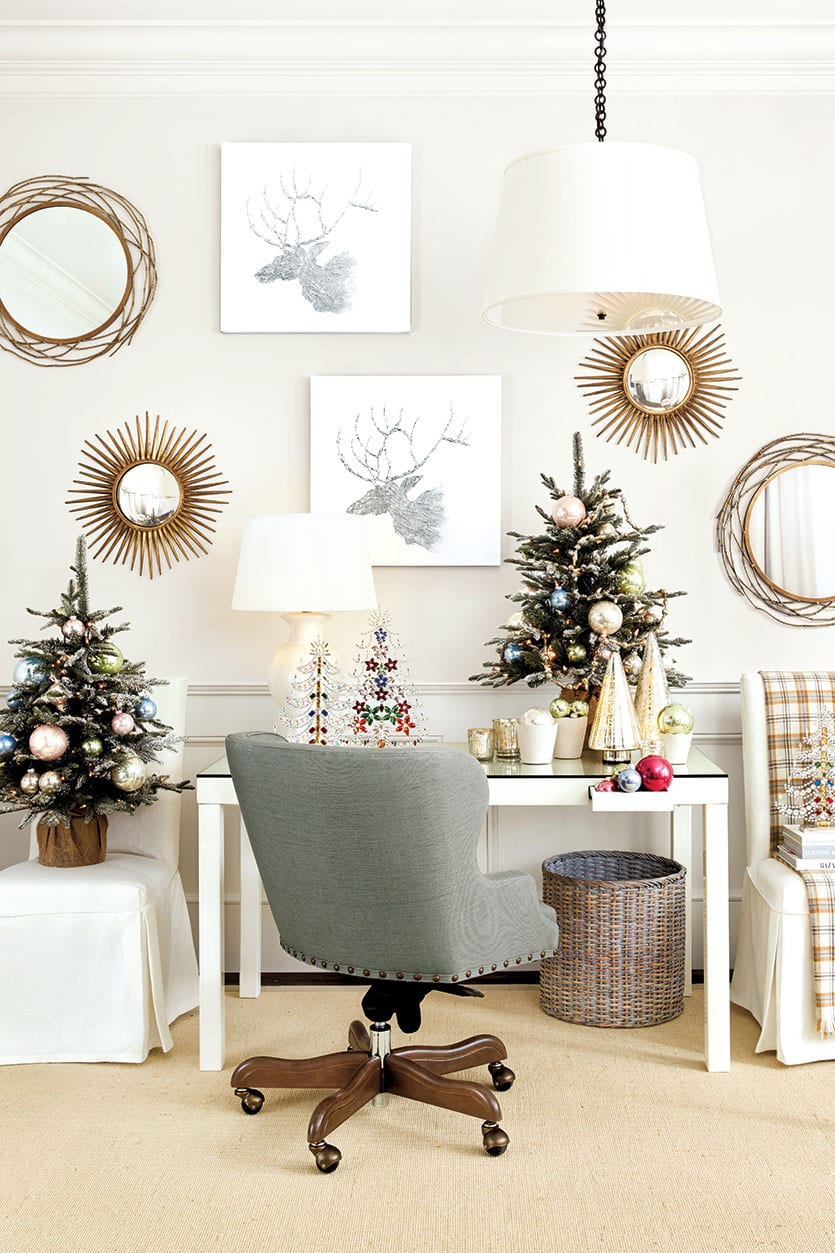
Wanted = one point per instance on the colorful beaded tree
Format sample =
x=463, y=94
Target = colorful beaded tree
x=316, y=708
x=384, y=712
x=810, y=794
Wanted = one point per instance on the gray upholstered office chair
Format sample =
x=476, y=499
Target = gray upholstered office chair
x=368, y=861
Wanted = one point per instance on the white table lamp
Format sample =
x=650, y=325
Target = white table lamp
x=304, y=566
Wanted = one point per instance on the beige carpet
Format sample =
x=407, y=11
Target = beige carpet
x=620, y=1140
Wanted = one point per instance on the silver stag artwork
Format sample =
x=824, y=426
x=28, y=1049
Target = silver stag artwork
x=373, y=455
x=299, y=222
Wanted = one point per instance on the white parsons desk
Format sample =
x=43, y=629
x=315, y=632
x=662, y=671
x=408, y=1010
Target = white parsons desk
x=700, y=782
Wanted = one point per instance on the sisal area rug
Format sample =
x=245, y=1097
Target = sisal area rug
x=620, y=1140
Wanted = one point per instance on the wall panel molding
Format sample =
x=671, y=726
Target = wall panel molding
x=411, y=58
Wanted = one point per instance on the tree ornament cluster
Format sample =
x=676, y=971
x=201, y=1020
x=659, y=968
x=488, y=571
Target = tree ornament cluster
x=584, y=594
x=79, y=730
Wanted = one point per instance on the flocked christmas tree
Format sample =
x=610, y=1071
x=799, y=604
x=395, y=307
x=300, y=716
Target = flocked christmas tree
x=584, y=594
x=384, y=711
x=316, y=707
x=80, y=730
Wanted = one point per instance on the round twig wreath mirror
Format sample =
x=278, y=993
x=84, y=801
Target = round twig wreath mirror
x=658, y=391
x=77, y=270
x=148, y=493
x=774, y=531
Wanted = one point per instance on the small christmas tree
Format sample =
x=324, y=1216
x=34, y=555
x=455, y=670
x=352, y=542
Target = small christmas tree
x=384, y=712
x=80, y=729
x=811, y=787
x=584, y=594
x=316, y=706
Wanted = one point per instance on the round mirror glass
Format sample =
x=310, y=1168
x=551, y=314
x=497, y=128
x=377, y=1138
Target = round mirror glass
x=63, y=273
x=788, y=531
x=148, y=494
x=657, y=380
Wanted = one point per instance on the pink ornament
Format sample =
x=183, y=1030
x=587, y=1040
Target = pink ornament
x=122, y=724
x=656, y=773
x=568, y=511
x=606, y=785
x=48, y=743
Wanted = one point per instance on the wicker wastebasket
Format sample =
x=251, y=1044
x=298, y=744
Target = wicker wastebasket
x=620, y=959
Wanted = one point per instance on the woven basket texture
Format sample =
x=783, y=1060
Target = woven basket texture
x=620, y=960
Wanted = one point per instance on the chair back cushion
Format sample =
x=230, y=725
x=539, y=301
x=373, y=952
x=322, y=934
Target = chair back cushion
x=368, y=857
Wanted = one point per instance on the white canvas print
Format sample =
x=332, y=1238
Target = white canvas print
x=419, y=456
x=315, y=237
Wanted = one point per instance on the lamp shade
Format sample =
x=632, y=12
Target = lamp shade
x=304, y=562
x=602, y=238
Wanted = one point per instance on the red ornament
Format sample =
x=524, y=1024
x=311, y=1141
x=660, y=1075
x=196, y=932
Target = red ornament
x=606, y=785
x=656, y=773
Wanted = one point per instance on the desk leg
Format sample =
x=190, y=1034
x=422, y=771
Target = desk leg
x=492, y=839
x=682, y=852
x=717, y=944
x=210, y=916
x=250, y=961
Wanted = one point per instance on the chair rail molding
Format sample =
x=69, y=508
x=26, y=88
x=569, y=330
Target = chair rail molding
x=411, y=58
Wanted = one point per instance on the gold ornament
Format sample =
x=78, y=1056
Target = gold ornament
x=605, y=617
x=631, y=579
x=129, y=773
x=675, y=720
x=29, y=782
x=49, y=781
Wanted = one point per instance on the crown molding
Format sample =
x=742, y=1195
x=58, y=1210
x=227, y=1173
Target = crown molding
x=411, y=58
x=429, y=688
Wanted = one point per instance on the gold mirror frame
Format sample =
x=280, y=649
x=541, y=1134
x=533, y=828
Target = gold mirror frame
x=186, y=533
x=700, y=412
x=130, y=228
x=733, y=527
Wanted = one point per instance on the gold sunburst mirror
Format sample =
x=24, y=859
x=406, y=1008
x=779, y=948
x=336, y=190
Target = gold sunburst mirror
x=658, y=391
x=148, y=493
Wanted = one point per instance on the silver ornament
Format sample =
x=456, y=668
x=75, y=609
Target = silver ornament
x=632, y=664
x=73, y=628
x=605, y=617
x=29, y=782
x=129, y=773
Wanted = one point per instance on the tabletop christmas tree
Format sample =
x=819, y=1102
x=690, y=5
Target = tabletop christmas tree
x=316, y=707
x=384, y=712
x=584, y=594
x=80, y=729
x=810, y=791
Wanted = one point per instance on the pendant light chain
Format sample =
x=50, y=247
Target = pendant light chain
x=600, y=71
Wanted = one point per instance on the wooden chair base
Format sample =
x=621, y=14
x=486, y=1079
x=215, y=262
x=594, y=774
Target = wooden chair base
x=415, y=1071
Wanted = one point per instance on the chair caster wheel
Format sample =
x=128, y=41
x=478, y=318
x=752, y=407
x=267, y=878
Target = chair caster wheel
x=501, y=1075
x=495, y=1140
x=326, y=1156
x=251, y=1099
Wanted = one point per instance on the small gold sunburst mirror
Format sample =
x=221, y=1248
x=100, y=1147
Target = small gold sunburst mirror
x=658, y=391
x=148, y=493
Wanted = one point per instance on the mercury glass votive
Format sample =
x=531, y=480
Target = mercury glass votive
x=481, y=743
x=504, y=732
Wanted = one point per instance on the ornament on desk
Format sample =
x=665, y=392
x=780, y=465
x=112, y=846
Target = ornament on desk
x=628, y=779
x=8, y=744
x=92, y=747
x=129, y=773
x=48, y=742
x=29, y=782
x=576, y=653
x=606, y=785
x=29, y=673
x=568, y=511
x=631, y=579
x=559, y=600
x=512, y=653
x=72, y=629
x=615, y=727
x=651, y=694
x=656, y=772
x=605, y=617
x=316, y=709
x=122, y=723
x=579, y=709
x=146, y=710
x=105, y=658
x=49, y=781
x=384, y=710
x=559, y=708
x=675, y=719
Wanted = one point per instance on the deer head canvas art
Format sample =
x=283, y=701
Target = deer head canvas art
x=299, y=221
x=386, y=451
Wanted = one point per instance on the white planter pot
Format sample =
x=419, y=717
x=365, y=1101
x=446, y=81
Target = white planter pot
x=536, y=744
x=571, y=735
x=676, y=747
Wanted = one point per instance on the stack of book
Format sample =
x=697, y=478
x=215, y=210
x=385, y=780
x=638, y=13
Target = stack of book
x=807, y=848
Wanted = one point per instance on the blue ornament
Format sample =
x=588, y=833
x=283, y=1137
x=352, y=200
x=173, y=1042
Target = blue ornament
x=629, y=780
x=8, y=744
x=14, y=699
x=146, y=709
x=512, y=653
x=29, y=673
x=559, y=599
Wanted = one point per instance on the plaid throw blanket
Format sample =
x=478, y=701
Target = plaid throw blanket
x=792, y=704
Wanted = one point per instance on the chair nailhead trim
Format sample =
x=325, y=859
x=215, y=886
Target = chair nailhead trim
x=455, y=978
x=382, y=974
x=481, y=970
x=418, y=978
x=366, y=973
x=350, y=970
x=542, y=953
x=467, y=974
x=530, y=957
x=400, y=974
x=336, y=967
x=493, y=967
x=505, y=962
x=518, y=960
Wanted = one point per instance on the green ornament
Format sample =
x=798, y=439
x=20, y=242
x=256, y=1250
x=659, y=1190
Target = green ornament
x=559, y=708
x=579, y=709
x=576, y=652
x=631, y=579
x=105, y=658
x=92, y=747
x=675, y=720
x=55, y=695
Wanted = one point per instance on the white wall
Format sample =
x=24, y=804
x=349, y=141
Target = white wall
x=769, y=190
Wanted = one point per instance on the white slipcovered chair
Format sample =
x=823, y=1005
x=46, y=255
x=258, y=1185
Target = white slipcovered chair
x=773, y=973
x=97, y=961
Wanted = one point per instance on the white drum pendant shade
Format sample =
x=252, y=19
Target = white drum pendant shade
x=602, y=238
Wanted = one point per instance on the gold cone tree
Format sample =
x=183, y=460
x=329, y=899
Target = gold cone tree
x=652, y=693
x=615, y=727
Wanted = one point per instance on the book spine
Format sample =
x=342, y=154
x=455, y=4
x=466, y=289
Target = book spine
x=805, y=863
x=805, y=848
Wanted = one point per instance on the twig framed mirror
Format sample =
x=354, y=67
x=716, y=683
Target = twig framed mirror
x=774, y=531
x=77, y=270
x=148, y=493
x=658, y=391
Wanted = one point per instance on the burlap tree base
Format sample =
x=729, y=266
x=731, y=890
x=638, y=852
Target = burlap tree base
x=80, y=844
